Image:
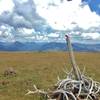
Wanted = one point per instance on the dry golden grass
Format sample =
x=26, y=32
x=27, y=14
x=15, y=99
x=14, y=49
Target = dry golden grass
x=40, y=68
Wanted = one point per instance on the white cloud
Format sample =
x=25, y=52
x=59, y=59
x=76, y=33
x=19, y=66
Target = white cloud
x=93, y=36
x=6, y=5
x=25, y=31
x=53, y=35
x=28, y=31
x=3, y=27
x=74, y=33
x=63, y=16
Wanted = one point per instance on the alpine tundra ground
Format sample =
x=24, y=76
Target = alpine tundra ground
x=42, y=69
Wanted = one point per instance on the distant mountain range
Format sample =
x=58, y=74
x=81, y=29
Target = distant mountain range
x=47, y=46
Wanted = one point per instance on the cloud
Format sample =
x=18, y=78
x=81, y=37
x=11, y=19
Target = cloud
x=8, y=7
x=23, y=15
x=27, y=9
x=63, y=16
x=53, y=35
x=25, y=32
x=23, y=18
x=14, y=20
x=5, y=34
x=93, y=36
x=47, y=20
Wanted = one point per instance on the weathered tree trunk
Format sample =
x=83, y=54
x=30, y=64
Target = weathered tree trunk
x=76, y=69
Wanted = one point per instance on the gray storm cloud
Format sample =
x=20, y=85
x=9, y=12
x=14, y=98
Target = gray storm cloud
x=23, y=15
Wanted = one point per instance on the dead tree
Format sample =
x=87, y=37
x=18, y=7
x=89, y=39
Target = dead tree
x=75, y=67
x=75, y=86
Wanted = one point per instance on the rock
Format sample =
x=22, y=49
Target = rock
x=9, y=72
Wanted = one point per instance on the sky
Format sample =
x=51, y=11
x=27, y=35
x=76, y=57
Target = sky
x=50, y=20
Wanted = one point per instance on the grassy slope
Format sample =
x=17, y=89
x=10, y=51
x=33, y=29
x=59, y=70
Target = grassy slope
x=40, y=68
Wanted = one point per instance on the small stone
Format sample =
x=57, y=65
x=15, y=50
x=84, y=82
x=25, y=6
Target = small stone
x=9, y=72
